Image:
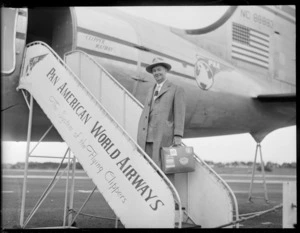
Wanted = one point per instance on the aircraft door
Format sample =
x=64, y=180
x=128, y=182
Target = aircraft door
x=13, y=34
x=8, y=30
x=13, y=40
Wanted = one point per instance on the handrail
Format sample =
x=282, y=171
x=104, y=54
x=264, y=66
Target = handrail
x=228, y=189
x=175, y=193
x=222, y=181
x=107, y=73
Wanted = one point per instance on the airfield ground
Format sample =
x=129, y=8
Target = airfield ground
x=51, y=211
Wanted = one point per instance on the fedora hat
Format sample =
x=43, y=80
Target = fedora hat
x=158, y=61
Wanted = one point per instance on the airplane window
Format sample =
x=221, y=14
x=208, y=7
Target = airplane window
x=8, y=45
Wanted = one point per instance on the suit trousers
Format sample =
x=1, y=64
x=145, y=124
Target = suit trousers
x=149, y=151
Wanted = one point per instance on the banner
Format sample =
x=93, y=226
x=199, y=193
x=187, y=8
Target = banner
x=132, y=188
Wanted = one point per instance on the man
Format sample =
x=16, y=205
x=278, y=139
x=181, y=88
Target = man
x=162, y=121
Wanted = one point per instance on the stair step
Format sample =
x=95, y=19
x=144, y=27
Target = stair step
x=82, y=132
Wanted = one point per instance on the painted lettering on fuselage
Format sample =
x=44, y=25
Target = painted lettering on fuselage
x=205, y=70
x=256, y=18
x=99, y=43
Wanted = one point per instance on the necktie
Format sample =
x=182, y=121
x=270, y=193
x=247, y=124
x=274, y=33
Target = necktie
x=156, y=91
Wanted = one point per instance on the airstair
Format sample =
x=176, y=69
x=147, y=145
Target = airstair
x=98, y=119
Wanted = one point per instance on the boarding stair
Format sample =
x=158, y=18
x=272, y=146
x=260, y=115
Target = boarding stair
x=97, y=117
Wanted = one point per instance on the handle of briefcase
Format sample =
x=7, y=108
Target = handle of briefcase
x=173, y=145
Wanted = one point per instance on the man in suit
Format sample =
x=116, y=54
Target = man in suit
x=162, y=121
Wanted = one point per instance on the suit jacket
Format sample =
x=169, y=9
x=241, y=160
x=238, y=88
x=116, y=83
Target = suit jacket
x=167, y=118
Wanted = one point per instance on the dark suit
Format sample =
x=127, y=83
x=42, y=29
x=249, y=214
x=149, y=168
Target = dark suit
x=162, y=118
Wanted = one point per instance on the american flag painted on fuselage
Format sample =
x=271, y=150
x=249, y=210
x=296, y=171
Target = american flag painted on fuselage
x=250, y=45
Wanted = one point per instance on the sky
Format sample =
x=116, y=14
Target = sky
x=279, y=146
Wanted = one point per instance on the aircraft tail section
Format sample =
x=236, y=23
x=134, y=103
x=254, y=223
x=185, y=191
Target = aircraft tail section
x=133, y=186
x=260, y=40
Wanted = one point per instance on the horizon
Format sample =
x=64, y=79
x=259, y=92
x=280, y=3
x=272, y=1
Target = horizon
x=207, y=161
x=230, y=148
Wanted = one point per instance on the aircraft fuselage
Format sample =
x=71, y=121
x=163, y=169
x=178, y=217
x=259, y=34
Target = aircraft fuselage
x=220, y=97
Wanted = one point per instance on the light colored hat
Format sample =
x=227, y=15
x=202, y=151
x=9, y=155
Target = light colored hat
x=156, y=62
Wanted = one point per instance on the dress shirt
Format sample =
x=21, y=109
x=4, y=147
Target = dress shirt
x=158, y=87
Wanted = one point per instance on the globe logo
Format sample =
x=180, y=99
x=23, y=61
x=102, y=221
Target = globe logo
x=203, y=75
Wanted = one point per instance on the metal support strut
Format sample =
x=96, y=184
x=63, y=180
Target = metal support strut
x=26, y=162
x=23, y=222
x=258, y=146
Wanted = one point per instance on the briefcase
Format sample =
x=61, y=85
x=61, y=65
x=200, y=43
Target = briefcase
x=177, y=159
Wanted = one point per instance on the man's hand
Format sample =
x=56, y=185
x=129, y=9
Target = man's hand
x=177, y=140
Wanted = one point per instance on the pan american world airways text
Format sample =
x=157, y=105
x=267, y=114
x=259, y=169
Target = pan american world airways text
x=100, y=134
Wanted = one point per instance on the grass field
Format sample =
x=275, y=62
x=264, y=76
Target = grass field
x=51, y=211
